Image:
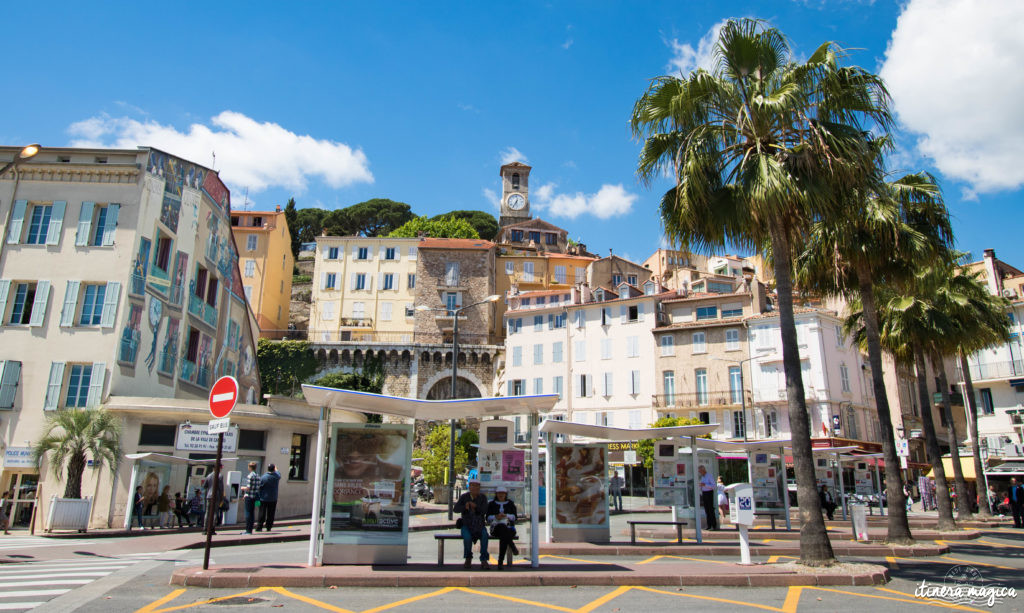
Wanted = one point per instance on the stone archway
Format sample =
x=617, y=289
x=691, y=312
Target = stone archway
x=442, y=389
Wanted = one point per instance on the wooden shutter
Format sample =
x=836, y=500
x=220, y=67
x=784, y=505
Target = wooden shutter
x=53, y=386
x=5, y=289
x=9, y=373
x=39, y=304
x=17, y=222
x=96, y=380
x=56, y=222
x=67, y=314
x=110, y=300
x=84, y=224
x=110, y=224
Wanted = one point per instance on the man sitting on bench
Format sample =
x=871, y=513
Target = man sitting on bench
x=473, y=506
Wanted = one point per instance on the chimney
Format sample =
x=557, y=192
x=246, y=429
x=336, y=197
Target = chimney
x=683, y=288
x=657, y=284
x=278, y=209
x=993, y=278
x=586, y=295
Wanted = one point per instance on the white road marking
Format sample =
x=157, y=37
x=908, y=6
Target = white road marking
x=33, y=593
x=18, y=606
x=4, y=584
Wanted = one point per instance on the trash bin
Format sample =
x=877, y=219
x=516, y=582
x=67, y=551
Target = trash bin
x=859, y=521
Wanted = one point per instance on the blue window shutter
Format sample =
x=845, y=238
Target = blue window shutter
x=84, y=224
x=53, y=386
x=111, y=224
x=56, y=222
x=622, y=314
x=5, y=289
x=17, y=221
x=110, y=300
x=509, y=389
x=96, y=380
x=9, y=374
x=39, y=304
x=67, y=314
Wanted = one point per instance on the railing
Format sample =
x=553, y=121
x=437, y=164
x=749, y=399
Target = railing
x=203, y=376
x=201, y=310
x=188, y=370
x=175, y=294
x=996, y=370
x=357, y=322
x=210, y=316
x=129, y=346
x=370, y=336
x=725, y=398
x=137, y=286
x=167, y=360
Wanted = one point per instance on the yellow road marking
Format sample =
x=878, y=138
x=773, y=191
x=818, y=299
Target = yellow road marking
x=710, y=598
x=792, y=599
x=514, y=599
x=988, y=542
x=587, y=608
x=209, y=601
x=963, y=561
x=581, y=561
x=929, y=601
x=156, y=603
x=699, y=560
x=406, y=601
x=892, y=562
x=306, y=599
x=923, y=601
x=650, y=559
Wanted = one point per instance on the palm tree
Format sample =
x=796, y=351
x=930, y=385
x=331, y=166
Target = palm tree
x=73, y=436
x=758, y=148
x=880, y=231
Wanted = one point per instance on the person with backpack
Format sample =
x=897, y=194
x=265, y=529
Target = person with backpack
x=268, y=498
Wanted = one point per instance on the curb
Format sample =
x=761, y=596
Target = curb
x=839, y=549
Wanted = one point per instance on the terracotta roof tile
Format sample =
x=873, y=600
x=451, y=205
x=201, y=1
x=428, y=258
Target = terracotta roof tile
x=455, y=243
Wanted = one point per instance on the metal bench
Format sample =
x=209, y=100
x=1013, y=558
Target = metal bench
x=441, y=538
x=633, y=524
x=772, y=514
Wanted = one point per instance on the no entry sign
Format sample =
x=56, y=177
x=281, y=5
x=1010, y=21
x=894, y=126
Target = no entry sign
x=223, y=396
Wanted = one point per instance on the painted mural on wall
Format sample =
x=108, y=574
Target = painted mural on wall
x=169, y=353
x=140, y=268
x=180, y=272
x=131, y=335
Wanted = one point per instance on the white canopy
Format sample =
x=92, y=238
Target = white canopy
x=428, y=410
x=839, y=450
x=743, y=447
x=171, y=459
x=623, y=434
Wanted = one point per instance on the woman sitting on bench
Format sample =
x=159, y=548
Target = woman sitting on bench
x=501, y=514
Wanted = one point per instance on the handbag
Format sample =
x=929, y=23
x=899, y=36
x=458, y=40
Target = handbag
x=458, y=524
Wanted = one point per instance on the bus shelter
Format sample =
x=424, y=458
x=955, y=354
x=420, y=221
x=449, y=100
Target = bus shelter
x=152, y=471
x=862, y=477
x=824, y=473
x=577, y=501
x=363, y=516
x=766, y=472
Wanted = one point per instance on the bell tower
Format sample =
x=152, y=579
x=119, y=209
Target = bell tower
x=515, y=193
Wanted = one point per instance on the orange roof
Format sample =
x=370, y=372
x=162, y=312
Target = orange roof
x=455, y=243
x=796, y=311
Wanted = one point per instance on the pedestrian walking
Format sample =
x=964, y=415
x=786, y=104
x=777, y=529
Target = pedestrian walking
x=268, y=498
x=723, y=500
x=5, y=512
x=1017, y=502
x=250, y=497
x=163, y=508
x=615, y=490
x=196, y=509
x=137, y=501
x=827, y=501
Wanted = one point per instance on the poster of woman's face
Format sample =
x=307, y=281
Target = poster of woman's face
x=369, y=474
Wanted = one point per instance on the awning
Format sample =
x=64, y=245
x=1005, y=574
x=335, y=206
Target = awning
x=171, y=459
x=1006, y=469
x=744, y=447
x=624, y=434
x=966, y=464
x=428, y=410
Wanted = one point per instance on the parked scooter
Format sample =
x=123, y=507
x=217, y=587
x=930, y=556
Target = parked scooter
x=420, y=489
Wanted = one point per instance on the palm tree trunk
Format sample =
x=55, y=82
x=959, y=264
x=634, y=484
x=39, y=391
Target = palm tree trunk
x=963, y=501
x=76, y=468
x=984, y=510
x=815, y=547
x=898, y=526
x=931, y=443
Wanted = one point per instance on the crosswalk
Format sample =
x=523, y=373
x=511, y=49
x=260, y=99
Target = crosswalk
x=24, y=586
x=9, y=543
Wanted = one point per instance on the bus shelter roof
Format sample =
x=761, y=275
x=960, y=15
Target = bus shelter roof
x=608, y=433
x=740, y=447
x=171, y=459
x=333, y=398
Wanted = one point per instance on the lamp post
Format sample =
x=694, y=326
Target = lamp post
x=455, y=370
x=26, y=153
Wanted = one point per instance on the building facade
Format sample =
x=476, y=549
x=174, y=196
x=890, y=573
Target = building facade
x=264, y=245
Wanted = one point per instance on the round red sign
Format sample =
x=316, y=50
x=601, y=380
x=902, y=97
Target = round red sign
x=223, y=396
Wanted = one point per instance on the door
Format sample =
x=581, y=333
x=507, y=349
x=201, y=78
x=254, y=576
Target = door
x=23, y=488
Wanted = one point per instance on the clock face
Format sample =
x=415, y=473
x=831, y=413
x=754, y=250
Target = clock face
x=516, y=202
x=155, y=309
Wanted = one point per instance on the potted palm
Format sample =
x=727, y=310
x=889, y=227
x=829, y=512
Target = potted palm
x=71, y=437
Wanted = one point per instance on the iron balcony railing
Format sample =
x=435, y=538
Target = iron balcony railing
x=996, y=370
x=359, y=336
x=725, y=398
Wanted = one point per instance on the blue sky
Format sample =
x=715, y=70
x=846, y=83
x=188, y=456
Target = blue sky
x=336, y=103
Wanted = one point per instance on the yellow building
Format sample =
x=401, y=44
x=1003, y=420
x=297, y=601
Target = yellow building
x=266, y=262
x=363, y=289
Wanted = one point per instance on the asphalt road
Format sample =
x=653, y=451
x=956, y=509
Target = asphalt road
x=138, y=581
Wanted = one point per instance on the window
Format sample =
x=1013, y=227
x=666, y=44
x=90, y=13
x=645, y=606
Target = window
x=24, y=297
x=631, y=279
x=633, y=313
x=411, y=281
x=510, y=268
x=39, y=224
x=700, y=377
x=538, y=354
x=412, y=253
x=732, y=339
x=252, y=241
x=96, y=224
x=515, y=181
x=668, y=386
x=330, y=280
x=581, y=275
x=556, y=386
x=78, y=385
x=101, y=222
x=839, y=335
x=516, y=387
x=92, y=306
x=606, y=316
x=607, y=384
x=385, y=311
x=556, y=352
x=250, y=269
x=550, y=238
x=387, y=281
x=516, y=236
x=535, y=236
x=771, y=423
x=451, y=274
x=735, y=385
x=515, y=326
x=634, y=382
x=668, y=345
x=528, y=272
x=358, y=310
x=257, y=222
x=162, y=254
x=699, y=343
x=538, y=386
x=616, y=279
x=559, y=274
x=585, y=387
x=297, y=457
x=580, y=351
x=716, y=287
x=253, y=440
x=732, y=312
x=987, y=408
x=710, y=312
x=739, y=425
x=410, y=309
x=517, y=356
x=158, y=435
x=844, y=378
x=632, y=346
x=390, y=253
x=538, y=323
x=362, y=253
x=9, y=374
x=704, y=417
x=606, y=348
x=332, y=253
x=452, y=303
x=580, y=319
x=211, y=291
x=359, y=281
x=851, y=423
x=192, y=349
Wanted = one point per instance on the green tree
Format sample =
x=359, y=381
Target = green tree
x=645, y=447
x=759, y=148
x=284, y=365
x=446, y=227
x=467, y=439
x=879, y=232
x=435, y=456
x=370, y=378
x=71, y=437
x=374, y=217
x=291, y=217
x=485, y=224
x=308, y=224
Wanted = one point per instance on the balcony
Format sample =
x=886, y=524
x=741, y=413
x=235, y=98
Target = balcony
x=188, y=370
x=129, y=346
x=196, y=374
x=167, y=360
x=361, y=337
x=997, y=370
x=703, y=400
x=198, y=308
x=175, y=295
x=137, y=285
x=357, y=322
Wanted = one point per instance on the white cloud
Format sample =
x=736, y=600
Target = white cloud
x=685, y=58
x=609, y=201
x=568, y=43
x=250, y=154
x=953, y=68
x=511, y=154
x=492, y=197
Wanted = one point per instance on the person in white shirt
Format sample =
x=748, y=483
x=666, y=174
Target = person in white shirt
x=707, y=497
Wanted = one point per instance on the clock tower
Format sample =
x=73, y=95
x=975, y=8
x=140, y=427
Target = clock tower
x=515, y=193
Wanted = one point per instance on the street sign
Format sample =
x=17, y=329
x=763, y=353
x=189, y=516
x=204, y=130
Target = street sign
x=223, y=396
x=218, y=426
x=629, y=456
x=902, y=447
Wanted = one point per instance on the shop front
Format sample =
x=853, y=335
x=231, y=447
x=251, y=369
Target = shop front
x=21, y=479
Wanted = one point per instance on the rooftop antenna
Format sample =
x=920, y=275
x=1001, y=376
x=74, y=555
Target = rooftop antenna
x=245, y=204
x=214, y=165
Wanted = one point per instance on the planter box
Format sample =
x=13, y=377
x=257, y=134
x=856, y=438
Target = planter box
x=69, y=514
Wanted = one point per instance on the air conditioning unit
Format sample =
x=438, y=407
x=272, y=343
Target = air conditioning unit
x=916, y=434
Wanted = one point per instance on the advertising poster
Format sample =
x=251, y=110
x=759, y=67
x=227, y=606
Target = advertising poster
x=513, y=465
x=489, y=465
x=580, y=493
x=369, y=479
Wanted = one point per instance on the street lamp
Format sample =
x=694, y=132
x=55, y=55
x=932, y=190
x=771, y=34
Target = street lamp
x=743, y=395
x=26, y=153
x=455, y=369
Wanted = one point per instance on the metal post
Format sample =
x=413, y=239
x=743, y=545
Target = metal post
x=451, y=422
x=131, y=496
x=318, y=487
x=549, y=491
x=214, y=505
x=785, y=486
x=535, y=494
x=878, y=479
x=743, y=402
x=744, y=544
x=696, y=487
x=842, y=487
